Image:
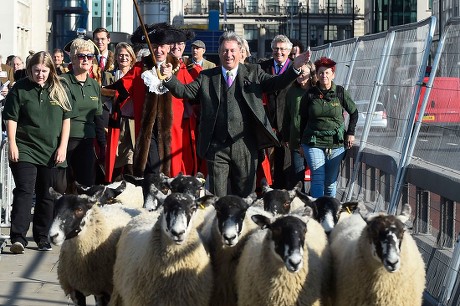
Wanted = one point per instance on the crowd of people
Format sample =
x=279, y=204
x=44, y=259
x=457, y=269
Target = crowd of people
x=145, y=113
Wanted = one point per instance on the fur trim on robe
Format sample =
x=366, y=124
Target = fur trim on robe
x=156, y=111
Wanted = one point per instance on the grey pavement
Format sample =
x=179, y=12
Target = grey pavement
x=30, y=279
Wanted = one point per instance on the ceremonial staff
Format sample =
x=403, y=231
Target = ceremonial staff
x=147, y=39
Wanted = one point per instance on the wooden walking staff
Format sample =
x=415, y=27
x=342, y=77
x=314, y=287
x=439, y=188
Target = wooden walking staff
x=147, y=39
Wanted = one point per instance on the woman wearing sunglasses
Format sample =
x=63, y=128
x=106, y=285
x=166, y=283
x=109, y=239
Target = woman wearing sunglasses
x=88, y=124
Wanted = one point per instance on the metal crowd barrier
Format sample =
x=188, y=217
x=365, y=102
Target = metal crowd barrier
x=6, y=189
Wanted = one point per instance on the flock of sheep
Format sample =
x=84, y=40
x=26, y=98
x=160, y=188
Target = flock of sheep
x=190, y=249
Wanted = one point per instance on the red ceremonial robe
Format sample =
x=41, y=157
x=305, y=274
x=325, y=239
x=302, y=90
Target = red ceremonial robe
x=183, y=130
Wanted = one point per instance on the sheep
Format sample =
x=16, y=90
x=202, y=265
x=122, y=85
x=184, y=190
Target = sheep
x=225, y=233
x=286, y=262
x=376, y=262
x=119, y=192
x=281, y=201
x=163, y=262
x=88, y=235
x=192, y=185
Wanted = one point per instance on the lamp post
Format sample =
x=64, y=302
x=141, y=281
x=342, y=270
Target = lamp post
x=308, y=24
x=300, y=21
x=327, y=33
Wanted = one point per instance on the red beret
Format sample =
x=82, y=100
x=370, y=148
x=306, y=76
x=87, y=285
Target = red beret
x=325, y=62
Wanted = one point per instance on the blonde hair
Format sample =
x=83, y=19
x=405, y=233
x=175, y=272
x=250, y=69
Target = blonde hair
x=56, y=89
x=128, y=48
x=79, y=44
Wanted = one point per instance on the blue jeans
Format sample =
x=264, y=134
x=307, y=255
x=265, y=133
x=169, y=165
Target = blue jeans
x=324, y=169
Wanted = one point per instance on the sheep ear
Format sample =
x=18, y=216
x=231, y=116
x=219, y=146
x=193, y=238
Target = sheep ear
x=82, y=189
x=261, y=220
x=293, y=192
x=361, y=209
x=306, y=199
x=307, y=212
x=119, y=189
x=200, y=176
x=206, y=200
x=166, y=180
x=135, y=180
x=56, y=195
x=258, y=202
x=250, y=199
x=265, y=187
x=405, y=213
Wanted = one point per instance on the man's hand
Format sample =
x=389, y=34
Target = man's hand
x=302, y=59
x=166, y=70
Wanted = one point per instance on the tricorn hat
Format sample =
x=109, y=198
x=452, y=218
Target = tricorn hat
x=160, y=34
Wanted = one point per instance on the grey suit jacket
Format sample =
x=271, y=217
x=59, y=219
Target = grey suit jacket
x=207, y=90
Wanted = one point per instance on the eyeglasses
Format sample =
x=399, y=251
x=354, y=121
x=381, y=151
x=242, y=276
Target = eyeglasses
x=82, y=56
x=279, y=49
x=124, y=55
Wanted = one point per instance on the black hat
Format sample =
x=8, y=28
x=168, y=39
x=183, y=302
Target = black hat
x=160, y=34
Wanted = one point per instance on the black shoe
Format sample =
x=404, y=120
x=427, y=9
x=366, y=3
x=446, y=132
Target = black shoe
x=44, y=246
x=17, y=248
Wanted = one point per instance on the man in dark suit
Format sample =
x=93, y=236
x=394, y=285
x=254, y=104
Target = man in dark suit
x=280, y=158
x=234, y=125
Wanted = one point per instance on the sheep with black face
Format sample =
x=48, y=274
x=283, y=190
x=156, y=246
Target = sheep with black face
x=87, y=234
x=287, y=262
x=225, y=234
x=376, y=261
x=163, y=262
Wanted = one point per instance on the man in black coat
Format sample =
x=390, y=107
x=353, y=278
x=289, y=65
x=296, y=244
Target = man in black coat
x=280, y=157
x=234, y=125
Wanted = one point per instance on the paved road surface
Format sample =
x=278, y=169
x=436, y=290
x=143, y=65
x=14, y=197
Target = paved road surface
x=30, y=279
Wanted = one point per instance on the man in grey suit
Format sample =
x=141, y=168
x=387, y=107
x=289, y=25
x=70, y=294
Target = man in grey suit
x=234, y=125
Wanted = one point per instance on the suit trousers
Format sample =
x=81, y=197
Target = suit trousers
x=233, y=164
x=27, y=178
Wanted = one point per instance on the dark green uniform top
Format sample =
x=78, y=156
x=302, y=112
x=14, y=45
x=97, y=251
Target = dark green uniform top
x=87, y=104
x=39, y=122
x=291, y=120
x=322, y=120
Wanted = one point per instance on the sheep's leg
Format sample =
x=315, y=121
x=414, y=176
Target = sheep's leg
x=78, y=298
x=102, y=300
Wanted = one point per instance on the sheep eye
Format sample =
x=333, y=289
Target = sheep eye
x=79, y=212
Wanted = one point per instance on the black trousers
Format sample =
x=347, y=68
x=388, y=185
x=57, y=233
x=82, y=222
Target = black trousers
x=29, y=177
x=234, y=164
x=82, y=161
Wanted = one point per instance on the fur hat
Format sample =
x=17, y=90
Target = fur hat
x=325, y=62
x=160, y=34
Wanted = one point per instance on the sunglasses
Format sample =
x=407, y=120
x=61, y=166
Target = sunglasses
x=82, y=56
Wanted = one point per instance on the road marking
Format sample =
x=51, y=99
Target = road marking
x=451, y=144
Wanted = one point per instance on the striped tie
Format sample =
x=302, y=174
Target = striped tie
x=229, y=78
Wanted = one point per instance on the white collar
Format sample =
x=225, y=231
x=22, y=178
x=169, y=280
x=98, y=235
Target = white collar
x=234, y=71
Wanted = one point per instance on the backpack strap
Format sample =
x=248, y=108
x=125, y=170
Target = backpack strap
x=340, y=93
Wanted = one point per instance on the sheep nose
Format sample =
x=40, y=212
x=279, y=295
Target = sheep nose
x=53, y=237
x=177, y=233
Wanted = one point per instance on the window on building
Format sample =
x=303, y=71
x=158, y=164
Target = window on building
x=330, y=33
x=347, y=7
x=251, y=31
x=332, y=6
x=251, y=6
x=213, y=5
x=314, y=6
